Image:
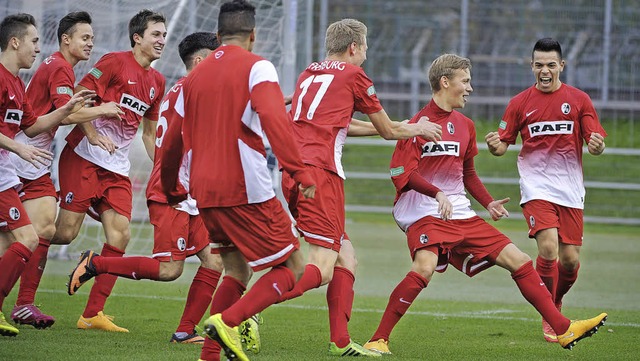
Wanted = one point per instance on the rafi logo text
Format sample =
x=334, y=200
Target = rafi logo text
x=432, y=149
x=551, y=128
x=132, y=103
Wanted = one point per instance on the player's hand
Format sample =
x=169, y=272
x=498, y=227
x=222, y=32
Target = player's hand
x=103, y=142
x=596, y=144
x=79, y=100
x=288, y=99
x=112, y=110
x=493, y=140
x=496, y=209
x=429, y=131
x=307, y=192
x=33, y=155
x=445, y=208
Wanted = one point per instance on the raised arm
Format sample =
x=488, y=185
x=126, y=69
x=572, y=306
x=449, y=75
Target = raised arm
x=496, y=146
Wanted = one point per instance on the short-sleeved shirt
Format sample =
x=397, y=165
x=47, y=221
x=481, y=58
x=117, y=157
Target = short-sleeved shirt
x=552, y=127
x=50, y=88
x=169, y=116
x=118, y=77
x=17, y=114
x=440, y=164
x=326, y=96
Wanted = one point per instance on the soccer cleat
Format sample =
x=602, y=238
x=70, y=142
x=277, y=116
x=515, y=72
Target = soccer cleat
x=99, y=322
x=83, y=272
x=250, y=334
x=187, y=338
x=380, y=346
x=227, y=337
x=548, y=332
x=581, y=329
x=31, y=315
x=352, y=349
x=7, y=329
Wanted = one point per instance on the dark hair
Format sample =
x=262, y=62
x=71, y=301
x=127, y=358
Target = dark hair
x=546, y=45
x=139, y=22
x=14, y=26
x=195, y=42
x=67, y=24
x=236, y=17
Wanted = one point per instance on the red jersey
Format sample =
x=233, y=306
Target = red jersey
x=441, y=164
x=552, y=127
x=17, y=114
x=50, y=88
x=326, y=96
x=118, y=77
x=169, y=138
x=230, y=99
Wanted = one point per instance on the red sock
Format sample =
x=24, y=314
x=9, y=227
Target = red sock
x=548, y=271
x=535, y=291
x=102, y=286
x=135, y=268
x=199, y=298
x=265, y=292
x=340, y=301
x=228, y=293
x=566, y=279
x=401, y=298
x=311, y=278
x=32, y=274
x=12, y=264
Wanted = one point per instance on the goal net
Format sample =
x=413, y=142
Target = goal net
x=110, y=26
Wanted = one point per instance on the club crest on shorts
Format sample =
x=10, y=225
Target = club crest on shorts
x=566, y=108
x=424, y=239
x=451, y=128
x=14, y=213
x=68, y=198
x=532, y=221
x=182, y=244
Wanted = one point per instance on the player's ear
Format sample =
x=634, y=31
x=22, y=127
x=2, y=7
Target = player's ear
x=136, y=38
x=65, y=39
x=444, y=82
x=252, y=35
x=15, y=43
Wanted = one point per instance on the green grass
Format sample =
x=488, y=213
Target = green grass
x=455, y=318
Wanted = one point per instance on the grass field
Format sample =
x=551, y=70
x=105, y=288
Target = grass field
x=455, y=318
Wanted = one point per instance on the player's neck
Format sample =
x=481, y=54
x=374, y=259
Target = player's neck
x=66, y=54
x=441, y=101
x=7, y=60
x=141, y=58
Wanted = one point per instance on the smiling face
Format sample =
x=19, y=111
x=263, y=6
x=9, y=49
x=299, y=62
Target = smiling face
x=28, y=48
x=546, y=67
x=152, y=42
x=80, y=42
x=458, y=87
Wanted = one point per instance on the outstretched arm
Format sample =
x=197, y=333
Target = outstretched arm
x=389, y=129
x=31, y=154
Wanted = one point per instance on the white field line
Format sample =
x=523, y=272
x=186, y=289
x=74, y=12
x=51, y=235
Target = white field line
x=487, y=314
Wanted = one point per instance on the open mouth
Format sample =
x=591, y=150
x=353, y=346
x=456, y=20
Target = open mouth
x=545, y=80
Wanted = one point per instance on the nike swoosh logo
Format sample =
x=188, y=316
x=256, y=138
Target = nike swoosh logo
x=275, y=286
x=135, y=276
x=569, y=335
x=88, y=324
x=531, y=112
x=11, y=97
x=404, y=301
x=131, y=82
x=541, y=284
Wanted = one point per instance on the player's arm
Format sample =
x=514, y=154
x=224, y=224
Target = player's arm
x=149, y=136
x=31, y=154
x=92, y=135
x=54, y=118
x=479, y=192
x=390, y=130
x=107, y=110
x=495, y=145
x=596, y=144
x=359, y=128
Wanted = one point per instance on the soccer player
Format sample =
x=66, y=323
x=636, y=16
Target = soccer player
x=19, y=46
x=225, y=114
x=432, y=208
x=178, y=231
x=553, y=119
x=50, y=88
x=93, y=177
x=326, y=95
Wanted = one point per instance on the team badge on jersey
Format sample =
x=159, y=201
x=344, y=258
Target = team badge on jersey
x=451, y=128
x=95, y=72
x=68, y=198
x=14, y=213
x=503, y=125
x=566, y=108
x=218, y=54
x=13, y=116
x=152, y=93
x=397, y=171
x=64, y=90
x=424, y=239
x=182, y=244
x=371, y=91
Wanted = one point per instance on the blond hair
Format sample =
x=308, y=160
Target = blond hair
x=342, y=33
x=446, y=65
